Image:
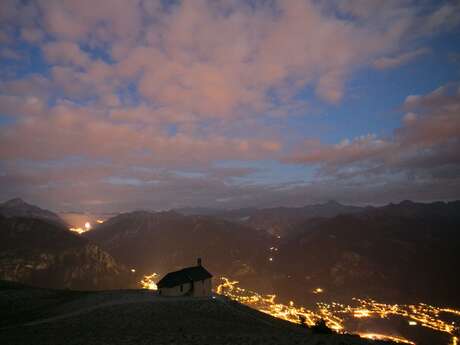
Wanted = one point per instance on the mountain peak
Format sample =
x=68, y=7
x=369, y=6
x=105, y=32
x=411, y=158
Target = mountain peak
x=14, y=202
x=407, y=203
x=19, y=208
x=332, y=203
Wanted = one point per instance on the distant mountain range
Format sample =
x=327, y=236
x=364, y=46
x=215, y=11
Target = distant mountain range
x=276, y=220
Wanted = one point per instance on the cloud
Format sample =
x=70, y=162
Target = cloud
x=344, y=153
x=212, y=59
x=330, y=87
x=83, y=132
x=20, y=106
x=16, y=14
x=85, y=19
x=445, y=17
x=32, y=85
x=218, y=59
x=32, y=35
x=395, y=61
x=4, y=37
x=10, y=54
x=86, y=188
x=424, y=144
x=67, y=53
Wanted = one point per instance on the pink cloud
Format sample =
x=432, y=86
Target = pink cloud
x=219, y=72
x=31, y=85
x=84, y=132
x=395, y=61
x=77, y=20
x=435, y=118
x=4, y=37
x=330, y=86
x=21, y=106
x=32, y=35
x=10, y=54
x=65, y=53
x=430, y=132
x=212, y=59
x=346, y=152
x=446, y=17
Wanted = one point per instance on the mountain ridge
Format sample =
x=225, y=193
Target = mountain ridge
x=46, y=254
x=17, y=207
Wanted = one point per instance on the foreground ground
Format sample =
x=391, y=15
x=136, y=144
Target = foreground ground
x=42, y=316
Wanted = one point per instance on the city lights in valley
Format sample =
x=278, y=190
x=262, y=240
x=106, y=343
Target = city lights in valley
x=377, y=336
x=148, y=281
x=79, y=230
x=334, y=314
x=86, y=227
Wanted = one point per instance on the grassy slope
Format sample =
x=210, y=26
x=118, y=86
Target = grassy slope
x=42, y=316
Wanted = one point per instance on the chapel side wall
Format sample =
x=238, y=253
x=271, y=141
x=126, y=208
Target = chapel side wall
x=175, y=291
x=202, y=288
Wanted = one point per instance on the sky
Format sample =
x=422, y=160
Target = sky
x=115, y=105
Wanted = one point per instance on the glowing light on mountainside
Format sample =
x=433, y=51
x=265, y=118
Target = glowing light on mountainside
x=80, y=230
x=318, y=291
x=149, y=281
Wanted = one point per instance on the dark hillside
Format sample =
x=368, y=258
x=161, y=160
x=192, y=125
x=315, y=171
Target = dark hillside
x=167, y=241
x=141, y=317
x=46, y=254
x=406, y=252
